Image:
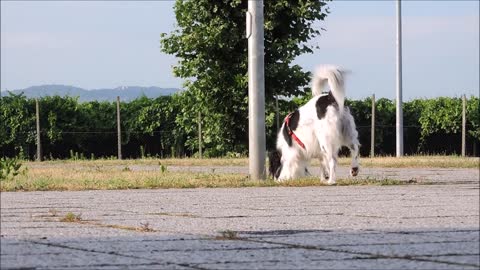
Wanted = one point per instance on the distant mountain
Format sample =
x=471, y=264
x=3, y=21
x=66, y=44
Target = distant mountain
x=126, y=93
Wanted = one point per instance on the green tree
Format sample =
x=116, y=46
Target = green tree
x=157, y=121
x=473, y=118
x=17, y=124
x=441, y=121
x=210, y=43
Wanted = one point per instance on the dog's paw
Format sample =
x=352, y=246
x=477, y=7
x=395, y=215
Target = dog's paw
x=331, y=183
x=280, y=180
x=354, y=171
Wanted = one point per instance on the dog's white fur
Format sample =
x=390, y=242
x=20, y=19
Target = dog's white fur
x=324, y=137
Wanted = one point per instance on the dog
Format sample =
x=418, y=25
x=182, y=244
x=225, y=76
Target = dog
x=317, y=129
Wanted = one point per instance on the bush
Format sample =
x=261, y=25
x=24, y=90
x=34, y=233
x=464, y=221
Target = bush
x=10, y=167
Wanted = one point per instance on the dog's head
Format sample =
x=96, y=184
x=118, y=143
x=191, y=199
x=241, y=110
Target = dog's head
x=275, y=164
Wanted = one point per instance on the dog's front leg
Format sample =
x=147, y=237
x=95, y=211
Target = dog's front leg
x=332, y=164
x=329, y=157
x=323, y=169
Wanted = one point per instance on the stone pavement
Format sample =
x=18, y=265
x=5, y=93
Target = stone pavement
x=330, y=227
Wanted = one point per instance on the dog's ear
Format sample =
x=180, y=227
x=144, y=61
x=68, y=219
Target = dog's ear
x=274, y=161
x=278, y=171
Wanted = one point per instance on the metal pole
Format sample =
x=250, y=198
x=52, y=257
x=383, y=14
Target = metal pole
x=256, y=90
x=372, y=131
x=37, y=114
x=464, y=124
x=119, y=130
x=200, y=134
x=399, y=122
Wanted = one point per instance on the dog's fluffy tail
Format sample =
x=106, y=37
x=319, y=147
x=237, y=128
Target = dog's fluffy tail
x=275, y=165
x=334, y=76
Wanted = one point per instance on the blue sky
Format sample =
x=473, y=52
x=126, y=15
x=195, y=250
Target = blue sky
x=93, y=45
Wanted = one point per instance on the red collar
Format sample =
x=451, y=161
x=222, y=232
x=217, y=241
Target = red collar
x=291, y=133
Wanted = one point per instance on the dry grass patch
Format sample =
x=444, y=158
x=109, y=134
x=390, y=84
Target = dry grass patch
x=77, y=218
x=61, y=178
x=117, y=174
x=64, y=178
x=421, y=162
x=154, y=162
x=388, y=162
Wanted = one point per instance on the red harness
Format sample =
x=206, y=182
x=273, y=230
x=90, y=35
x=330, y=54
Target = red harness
x=291, y=133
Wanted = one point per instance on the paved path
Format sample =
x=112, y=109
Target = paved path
x=329, y=227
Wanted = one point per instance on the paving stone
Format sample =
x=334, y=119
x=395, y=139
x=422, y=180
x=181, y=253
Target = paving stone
x=371, y=264
x=330, y=227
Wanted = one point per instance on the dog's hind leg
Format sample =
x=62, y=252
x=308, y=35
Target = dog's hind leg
x=354, y=151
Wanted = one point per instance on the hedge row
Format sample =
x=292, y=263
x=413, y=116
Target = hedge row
x=150, y=127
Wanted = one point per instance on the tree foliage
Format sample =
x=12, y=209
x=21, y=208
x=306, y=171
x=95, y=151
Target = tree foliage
x=17, y=122
x=211, y=48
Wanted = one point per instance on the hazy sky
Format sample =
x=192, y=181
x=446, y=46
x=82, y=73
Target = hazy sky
x=93, y=44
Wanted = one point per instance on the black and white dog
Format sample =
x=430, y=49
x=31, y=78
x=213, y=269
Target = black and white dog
x=318, y=129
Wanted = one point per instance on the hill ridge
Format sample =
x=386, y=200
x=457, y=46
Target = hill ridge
x=126, y=93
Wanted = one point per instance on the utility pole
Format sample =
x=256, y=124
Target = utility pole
x=372, y=131
x=399, y=112
x=39, y=146
x=464, y=124
x=200, y=135
x=256, y=90
x=119, y=130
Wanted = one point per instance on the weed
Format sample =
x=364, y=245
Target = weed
x=163, y=168
x=10, y=168
x=71, y=217
x=126, y=169
x=145, y=227
x=42, y=184
x=227, y=235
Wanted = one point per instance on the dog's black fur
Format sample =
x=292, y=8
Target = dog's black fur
x=322, y=104
x=275, y=165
